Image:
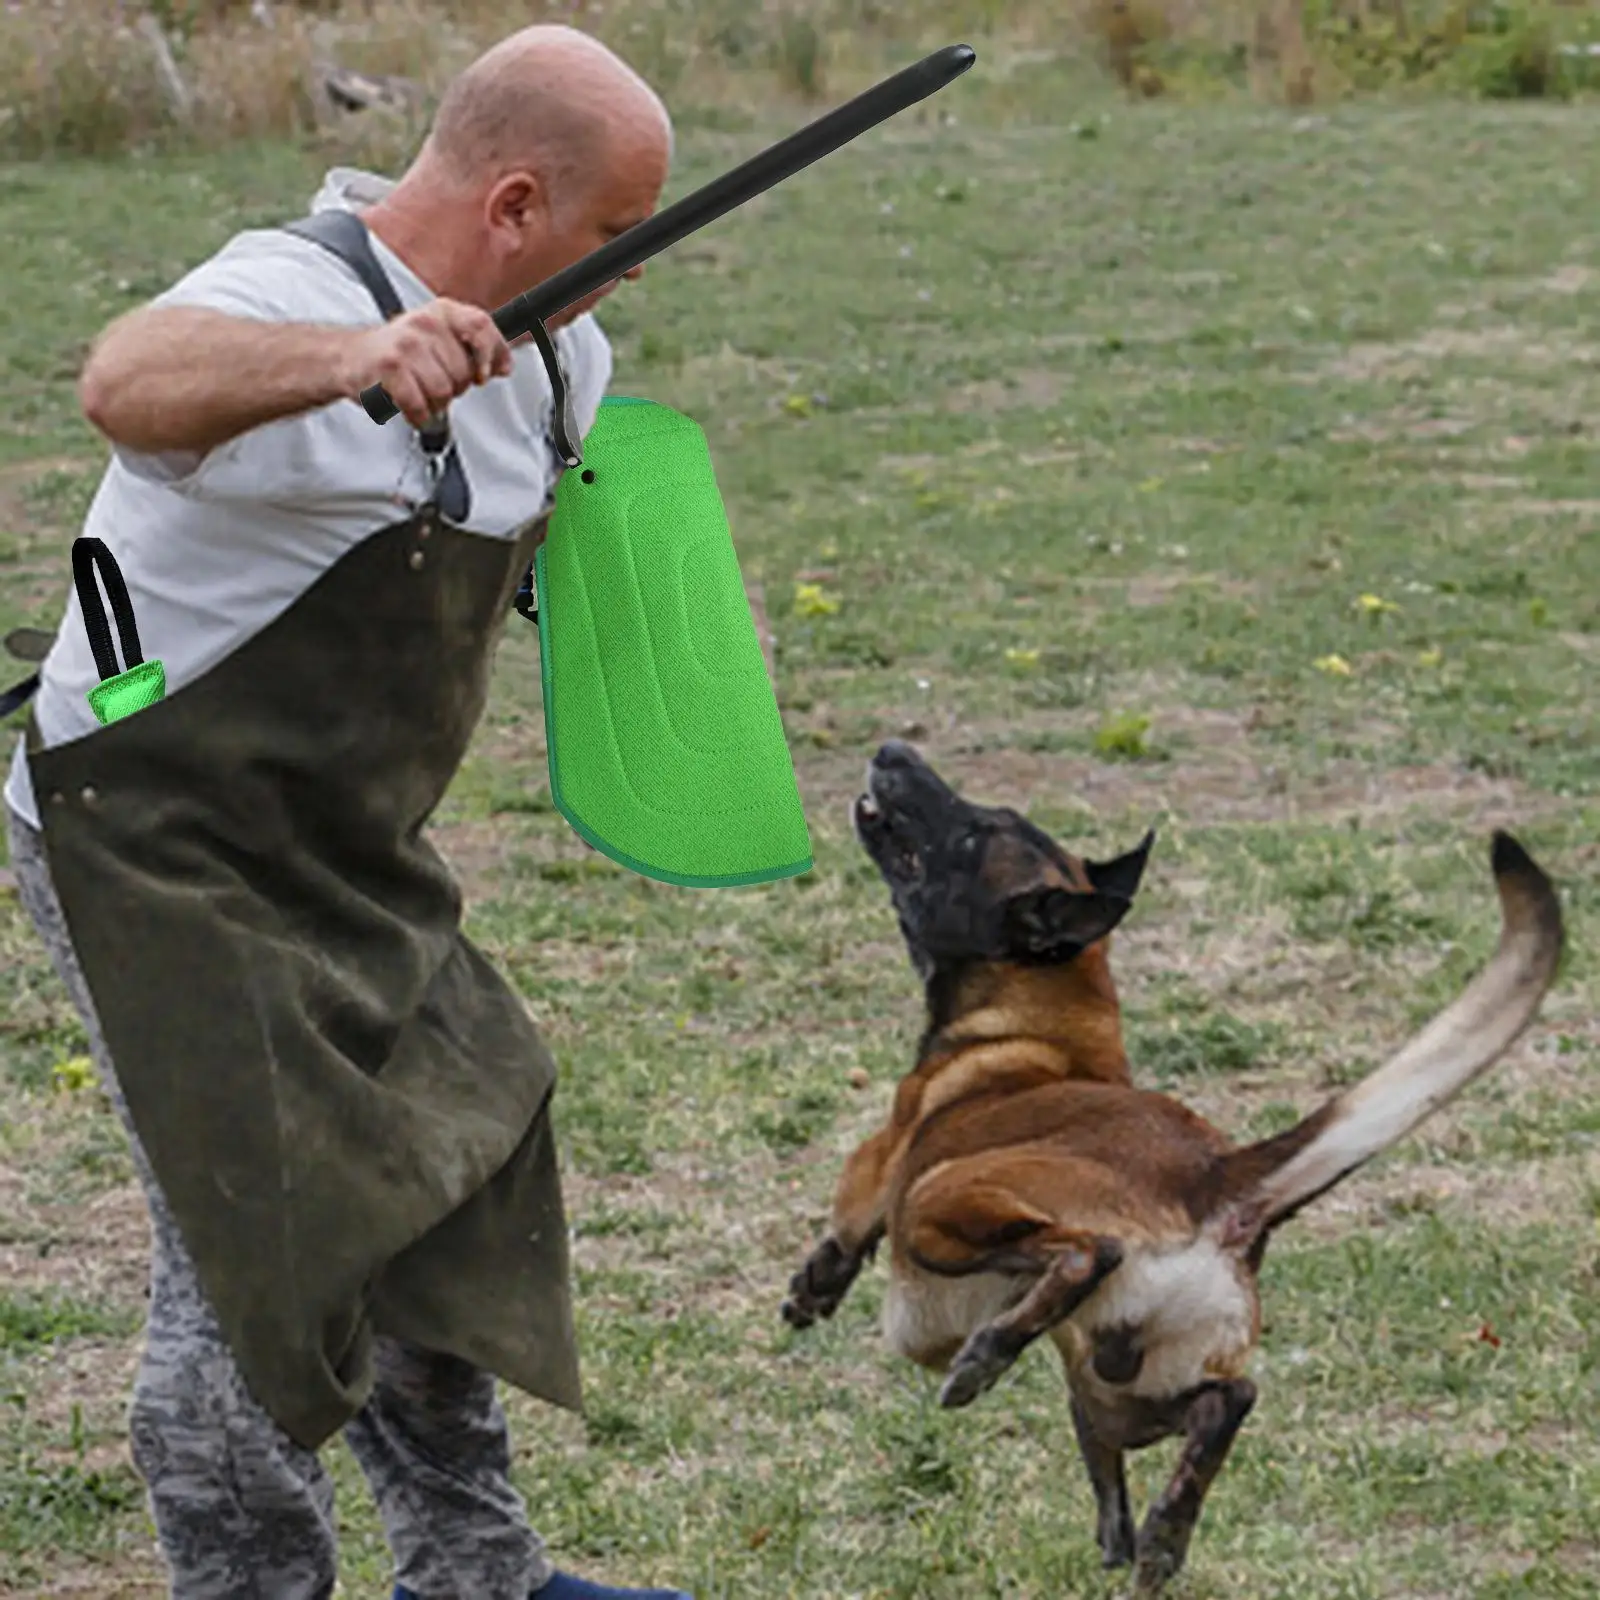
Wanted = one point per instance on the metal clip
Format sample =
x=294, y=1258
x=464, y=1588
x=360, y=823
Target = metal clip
x=563, y=426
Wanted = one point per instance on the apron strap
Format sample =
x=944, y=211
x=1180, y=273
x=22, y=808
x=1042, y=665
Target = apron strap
x=18, y=695
x=343, y=234
x=87, y=555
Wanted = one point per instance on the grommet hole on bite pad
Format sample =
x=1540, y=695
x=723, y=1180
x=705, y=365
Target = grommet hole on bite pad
x=587, y=475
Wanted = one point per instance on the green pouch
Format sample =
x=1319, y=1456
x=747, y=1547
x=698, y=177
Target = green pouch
x=129, y=691
x=143, y=683
x=666, y=747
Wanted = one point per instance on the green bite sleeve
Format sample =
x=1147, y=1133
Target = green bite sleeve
x=666, y=747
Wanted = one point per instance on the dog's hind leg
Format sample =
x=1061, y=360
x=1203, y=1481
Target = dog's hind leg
x=1078, y=1263
x=1029, y=1219
x=958, y=1230
x=1114, y=1529
x=1215, y=1416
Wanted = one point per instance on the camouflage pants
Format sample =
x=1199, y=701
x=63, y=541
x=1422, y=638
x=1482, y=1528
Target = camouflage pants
x=242, y=1510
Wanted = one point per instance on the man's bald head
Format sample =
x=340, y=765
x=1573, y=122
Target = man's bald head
x=545, y=149
x=549, y=99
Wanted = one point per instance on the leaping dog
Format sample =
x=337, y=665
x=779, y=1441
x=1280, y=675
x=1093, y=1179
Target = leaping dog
x=1027, y=1189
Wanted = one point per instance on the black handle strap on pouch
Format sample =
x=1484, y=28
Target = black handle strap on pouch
x=88, y=556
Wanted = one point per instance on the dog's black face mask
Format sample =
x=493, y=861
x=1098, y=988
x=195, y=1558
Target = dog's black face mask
x=978, y=883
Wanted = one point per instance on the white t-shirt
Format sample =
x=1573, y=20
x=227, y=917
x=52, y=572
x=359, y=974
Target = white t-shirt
x=213, y=548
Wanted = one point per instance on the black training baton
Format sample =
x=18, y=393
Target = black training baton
x=721, y=195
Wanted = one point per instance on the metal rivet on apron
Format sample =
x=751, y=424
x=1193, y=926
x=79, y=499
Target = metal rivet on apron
x=57, y=797
x=88, y=796
x=416, y=559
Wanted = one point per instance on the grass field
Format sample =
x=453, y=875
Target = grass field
x=1278, y=432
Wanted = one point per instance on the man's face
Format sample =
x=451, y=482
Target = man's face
x=619, y=197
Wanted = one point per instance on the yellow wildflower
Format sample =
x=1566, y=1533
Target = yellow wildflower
x=74, y=1073
x=810, y=601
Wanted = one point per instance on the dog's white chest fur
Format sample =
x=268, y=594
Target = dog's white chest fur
x=1190, y=1312
x=926, y=1318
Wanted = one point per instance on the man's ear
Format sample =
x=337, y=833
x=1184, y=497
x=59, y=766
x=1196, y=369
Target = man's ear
x=1055, y=924
x=516, y=199
x=1121, y=877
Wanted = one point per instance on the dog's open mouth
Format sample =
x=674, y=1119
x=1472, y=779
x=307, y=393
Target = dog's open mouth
x=899, y=814
x=868, y=809
x=880, y=828
x=872, y=805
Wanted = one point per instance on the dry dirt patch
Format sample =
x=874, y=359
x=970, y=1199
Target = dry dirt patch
x=81, y=1581
x=1223, y=776
x=1509, y=346
x=1222, y=779
x=1541, y=1191
x=1385, y=426
x=1570, y=279
x=1555, y=508
x=1032, y=388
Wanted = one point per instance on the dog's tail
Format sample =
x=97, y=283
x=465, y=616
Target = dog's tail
x=1265, y=1184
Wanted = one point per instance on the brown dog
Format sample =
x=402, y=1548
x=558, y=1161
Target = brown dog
x=1027, y=1188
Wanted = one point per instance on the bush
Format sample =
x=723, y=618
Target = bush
x=74, y=80
x=85, y=77
x=1297, y=50
x=1530, y=52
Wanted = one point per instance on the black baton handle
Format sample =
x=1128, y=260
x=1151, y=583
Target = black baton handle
x=721, y=195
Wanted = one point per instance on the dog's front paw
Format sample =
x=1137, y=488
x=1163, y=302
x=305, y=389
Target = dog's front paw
x=798, y=1311
x=819, y=1287
x=979, y=1366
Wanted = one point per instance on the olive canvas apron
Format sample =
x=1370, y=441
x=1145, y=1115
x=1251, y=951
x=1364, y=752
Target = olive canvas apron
x=346, y=1106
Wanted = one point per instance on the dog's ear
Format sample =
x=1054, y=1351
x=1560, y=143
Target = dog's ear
x=1052, y=924
x=1121, y=877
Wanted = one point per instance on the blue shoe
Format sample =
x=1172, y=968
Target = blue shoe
x=565, y=1587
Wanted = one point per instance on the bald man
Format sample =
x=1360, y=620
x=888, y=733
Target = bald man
x=339, y=1111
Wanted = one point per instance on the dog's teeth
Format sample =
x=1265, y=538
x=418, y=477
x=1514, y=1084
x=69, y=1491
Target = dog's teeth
x=869, y=808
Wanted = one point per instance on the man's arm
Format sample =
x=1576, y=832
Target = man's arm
x=181, y=378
